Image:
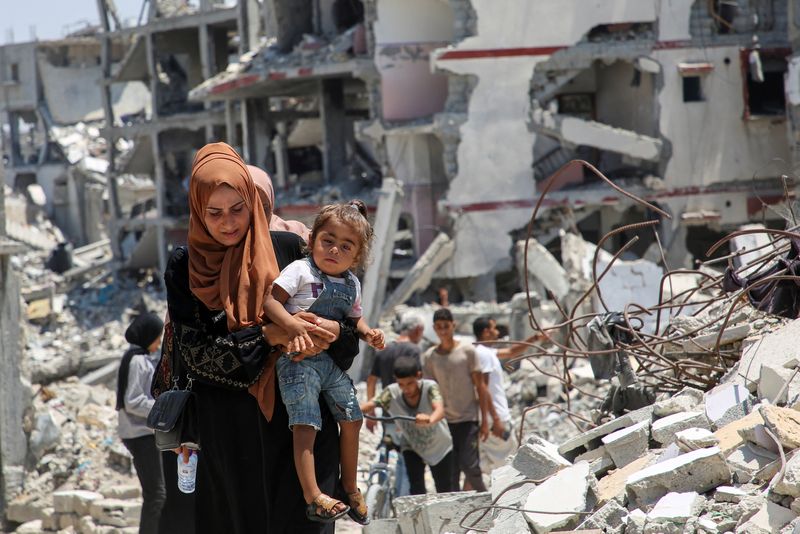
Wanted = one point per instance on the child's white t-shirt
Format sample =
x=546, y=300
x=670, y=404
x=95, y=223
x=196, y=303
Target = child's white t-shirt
x=304, y=286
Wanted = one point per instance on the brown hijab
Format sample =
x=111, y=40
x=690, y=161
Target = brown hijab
x=266, y=191
x=236, y=279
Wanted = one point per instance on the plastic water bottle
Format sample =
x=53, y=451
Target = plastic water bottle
x=187, y=472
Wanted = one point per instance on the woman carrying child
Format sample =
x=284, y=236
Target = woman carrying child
x=324, y=284
x=216, y=288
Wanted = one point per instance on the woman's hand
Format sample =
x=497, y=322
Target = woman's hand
x=184, y=451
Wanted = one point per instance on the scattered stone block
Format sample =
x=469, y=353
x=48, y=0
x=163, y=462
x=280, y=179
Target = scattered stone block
x=730, y=437
x=758, y=436
x=635, y=522
x=440, y=512
x=729, y=494
x=115, y=512
x=664, y=430
x=501, y=479
x=676, y=507
x=74, y=501
x=692, y=439
x=628, y=444
x=773, y=349
x=382, y=526
x=773, y=379
x=66, y=521
x=784, y=423
x=707, y=526
x=591, y=438
x=49, y=519
x=699, y=471
x=25, y=511
x=126, y=491
x=686, y=400
x=511, y=522
x=769, y=519
x=612, y=486
x=609, y=517
x=570, y=490
x=599, y=460
x=727, y=403
x=538, y=458
x=31, y=527
x=746, y=461
x=790, y=483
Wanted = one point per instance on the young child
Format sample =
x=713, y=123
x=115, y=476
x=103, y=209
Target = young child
x=323, y=284
x=427, y=440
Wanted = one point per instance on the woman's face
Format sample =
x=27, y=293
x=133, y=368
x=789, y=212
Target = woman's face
x=226, y=216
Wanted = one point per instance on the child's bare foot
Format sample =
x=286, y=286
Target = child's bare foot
x=325, y=509
x=358, y=508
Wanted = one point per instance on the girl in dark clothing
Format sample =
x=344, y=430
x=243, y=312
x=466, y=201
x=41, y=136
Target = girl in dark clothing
x=215, y=287
x=133, y=403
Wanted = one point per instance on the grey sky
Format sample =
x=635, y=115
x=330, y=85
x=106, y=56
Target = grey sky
x=53, y=19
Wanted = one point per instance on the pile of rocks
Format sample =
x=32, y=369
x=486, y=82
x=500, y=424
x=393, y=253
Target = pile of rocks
x=721, y=461
x=80, y=477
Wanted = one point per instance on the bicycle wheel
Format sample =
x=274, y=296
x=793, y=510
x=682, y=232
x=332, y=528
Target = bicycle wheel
x=376, y=501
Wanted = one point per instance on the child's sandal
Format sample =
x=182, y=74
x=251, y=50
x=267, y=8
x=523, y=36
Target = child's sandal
x=358, y=508
x=327, y=505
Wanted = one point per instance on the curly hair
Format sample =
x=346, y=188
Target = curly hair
x=354, y=215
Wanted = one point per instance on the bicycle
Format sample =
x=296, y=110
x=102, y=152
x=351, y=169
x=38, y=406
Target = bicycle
x=380, y=477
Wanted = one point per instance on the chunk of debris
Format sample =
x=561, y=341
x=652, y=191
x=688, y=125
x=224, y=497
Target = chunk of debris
x=699, y=471
x=695, y=438
x=570, y=491
x=626, y=445
x=663, y=430
x=538, y=459
x=769, y=519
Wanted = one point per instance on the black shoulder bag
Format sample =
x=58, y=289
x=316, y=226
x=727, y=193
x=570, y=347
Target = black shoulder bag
x=173, y=417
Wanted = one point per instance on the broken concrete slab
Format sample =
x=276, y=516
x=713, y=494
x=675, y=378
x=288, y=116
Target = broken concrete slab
x=382, y=526
x=635, y=522
x=74, y=501
x=663, y=430
x=790, y=483
x=775, y=381
x=698, y=471
x=591, y=438
x=747, y=460
x=709, y=341
x=543, y=269
x=784, y=423
x=628, y=444
x=609, y=517
x=439, y=512
x=612, y=486
x=676, y=507
x=538, y=459
x=598, y=459
x=730, y=494
x=694, y=438
x=774, y=349
x=115, y=512
x=686, y=400
x=730, y=436
x=727, y=403
x=571, y=490
x=769, y=519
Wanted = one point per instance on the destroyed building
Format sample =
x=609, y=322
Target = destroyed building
x=51, y=111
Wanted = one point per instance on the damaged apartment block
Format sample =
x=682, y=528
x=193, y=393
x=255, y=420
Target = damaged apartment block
x=173, y=50
x=685, y=107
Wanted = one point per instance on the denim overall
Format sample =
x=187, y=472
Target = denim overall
x=302, y=382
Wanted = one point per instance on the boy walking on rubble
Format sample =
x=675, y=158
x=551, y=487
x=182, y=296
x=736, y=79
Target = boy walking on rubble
x=455, y=367
x=427, y=440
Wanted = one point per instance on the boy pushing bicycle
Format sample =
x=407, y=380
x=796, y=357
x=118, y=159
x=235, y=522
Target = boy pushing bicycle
x=426, y=440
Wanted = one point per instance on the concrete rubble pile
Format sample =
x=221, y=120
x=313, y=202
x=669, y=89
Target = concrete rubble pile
x=713, y=451
x=80, y=479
